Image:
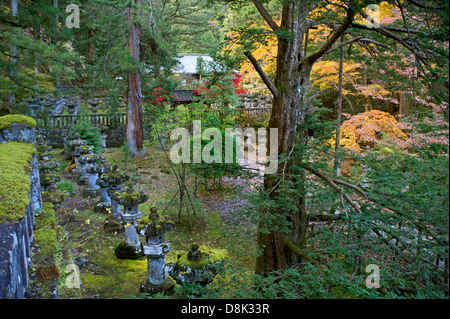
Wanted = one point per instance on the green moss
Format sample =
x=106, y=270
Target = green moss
x=45, y=238
x=119, y=277
x=7, y=120
x=215, y=255
x=45, y=235
x=15, y=169
x=193, y=264
x=46, y=217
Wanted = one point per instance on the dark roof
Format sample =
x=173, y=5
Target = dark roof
x=183, y=95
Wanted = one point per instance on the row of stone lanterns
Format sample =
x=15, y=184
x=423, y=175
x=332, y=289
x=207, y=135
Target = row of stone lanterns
x=49, y=176
x=106, y=181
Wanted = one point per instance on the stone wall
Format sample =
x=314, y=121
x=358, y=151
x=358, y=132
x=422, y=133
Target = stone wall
x=58, y=137
x=16, y=237
x=255, y=100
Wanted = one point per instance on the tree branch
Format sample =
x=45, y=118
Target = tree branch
x=334, y=37
x=392, y=29
x=332, y=183
x=267, y=17
x=425, y=6
x=355, y=40
x=391, y=35
x=261, y=73
x=342, y=44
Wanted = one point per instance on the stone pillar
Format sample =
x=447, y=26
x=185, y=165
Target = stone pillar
x=194, y=267
x=155, y=249
x=94, y=170
x=104, y=204
x=130, y=199
x=115, y=180
x=103, y=143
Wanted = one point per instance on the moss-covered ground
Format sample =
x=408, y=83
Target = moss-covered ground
x=103, y=275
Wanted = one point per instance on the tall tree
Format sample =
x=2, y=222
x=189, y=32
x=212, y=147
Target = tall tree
x=30, y=62
x=135, y=125
x=291, y=106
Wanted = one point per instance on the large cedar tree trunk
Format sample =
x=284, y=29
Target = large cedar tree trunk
x=135, y=129
x=292, y=79
x=289, y=111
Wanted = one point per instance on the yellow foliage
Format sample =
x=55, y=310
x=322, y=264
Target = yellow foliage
x=366, y=129
x=325, y=73
x=266, y=55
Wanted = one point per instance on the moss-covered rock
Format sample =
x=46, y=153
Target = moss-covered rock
x=15, y=169
x=7, y=120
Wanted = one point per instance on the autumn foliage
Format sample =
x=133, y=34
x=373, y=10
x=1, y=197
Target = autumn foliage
x=367, y=130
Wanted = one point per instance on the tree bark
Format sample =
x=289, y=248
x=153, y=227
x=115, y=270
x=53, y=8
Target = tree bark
x=289, y=110
x=135, y=128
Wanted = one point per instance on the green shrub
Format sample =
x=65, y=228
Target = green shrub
x=66, y=186
x=89, y=133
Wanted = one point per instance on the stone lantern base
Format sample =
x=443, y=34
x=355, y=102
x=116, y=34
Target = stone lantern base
x=91, y=192
x=83, y=180
x=113, y=226
x=167, y=288
x=124, y=251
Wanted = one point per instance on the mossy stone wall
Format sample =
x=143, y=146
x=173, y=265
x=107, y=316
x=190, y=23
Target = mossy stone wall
x=20, y=196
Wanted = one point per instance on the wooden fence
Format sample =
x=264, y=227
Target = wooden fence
x=64, y=121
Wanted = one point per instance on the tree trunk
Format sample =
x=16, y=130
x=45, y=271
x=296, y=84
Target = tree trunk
x=289, y=108
x=135, y=129
x=288, y=114
x=337, y=161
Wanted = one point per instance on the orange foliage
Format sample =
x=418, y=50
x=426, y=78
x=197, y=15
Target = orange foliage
x=266, y=55
x=366, y=130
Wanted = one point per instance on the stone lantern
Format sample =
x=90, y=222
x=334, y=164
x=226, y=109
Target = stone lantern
x=130, y=199
x=32, y=104
x=54, y=196
x=87, y=157
x=45, y=152
x=115, y=180
x=104, y=203
x=74, y=144
x=194, y=267
x=84, y=159
x=49, y=103
x=71, y=104
x=155, y=249
x=93, y=104
x=47, y=173
x=94, y=170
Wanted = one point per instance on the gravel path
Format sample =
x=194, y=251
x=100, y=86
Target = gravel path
x=230, y=207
